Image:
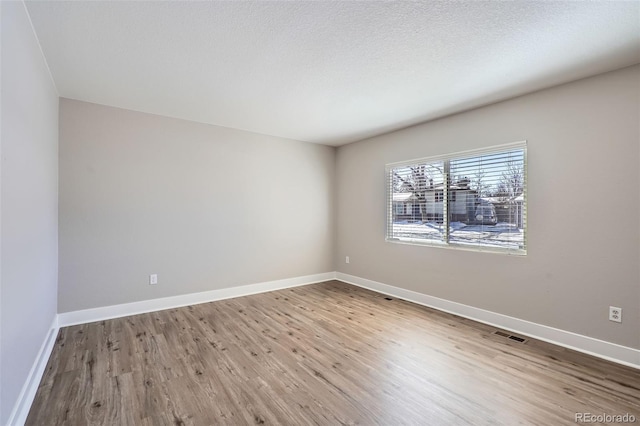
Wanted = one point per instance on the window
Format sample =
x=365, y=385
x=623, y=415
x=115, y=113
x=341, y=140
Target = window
x=475, y=200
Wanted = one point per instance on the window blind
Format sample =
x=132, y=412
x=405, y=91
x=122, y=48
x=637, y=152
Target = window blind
x=474, y=200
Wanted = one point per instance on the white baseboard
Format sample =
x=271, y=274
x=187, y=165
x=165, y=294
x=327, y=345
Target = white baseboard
x=115, y=311
x=28, y=392
x=599, y=348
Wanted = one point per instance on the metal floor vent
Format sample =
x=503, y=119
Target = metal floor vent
x=510, y=336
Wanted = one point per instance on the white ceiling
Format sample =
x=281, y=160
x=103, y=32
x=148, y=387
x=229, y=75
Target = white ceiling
x=327, y=72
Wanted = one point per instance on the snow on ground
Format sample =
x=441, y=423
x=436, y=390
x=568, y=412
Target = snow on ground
x=499, y=235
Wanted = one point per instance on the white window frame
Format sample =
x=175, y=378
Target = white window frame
x=446, y=159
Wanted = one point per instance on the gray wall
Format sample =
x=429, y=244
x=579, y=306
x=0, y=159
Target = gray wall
x=584, y=206
x=29, y=203
x=204, y=207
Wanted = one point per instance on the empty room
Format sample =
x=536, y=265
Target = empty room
x=320, y=212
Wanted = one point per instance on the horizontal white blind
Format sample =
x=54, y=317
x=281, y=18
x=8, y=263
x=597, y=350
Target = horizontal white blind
x=479, y=197
x=417, y=212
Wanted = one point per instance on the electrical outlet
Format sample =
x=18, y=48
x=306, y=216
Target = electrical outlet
x=153, y=279
x=346, y=259
x=615, y=314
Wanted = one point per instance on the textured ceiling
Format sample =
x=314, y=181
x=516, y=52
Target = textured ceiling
x=327, y=72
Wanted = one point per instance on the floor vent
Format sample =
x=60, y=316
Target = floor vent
x=510, y=336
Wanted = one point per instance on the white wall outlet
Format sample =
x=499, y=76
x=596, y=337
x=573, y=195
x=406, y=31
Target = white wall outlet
x=346, y=259
x=153, y=279
x=615, y=314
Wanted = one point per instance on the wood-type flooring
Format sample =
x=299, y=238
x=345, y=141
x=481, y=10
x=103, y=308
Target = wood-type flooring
x=322, y=354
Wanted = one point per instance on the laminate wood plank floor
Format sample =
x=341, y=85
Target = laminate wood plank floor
x=327, y=353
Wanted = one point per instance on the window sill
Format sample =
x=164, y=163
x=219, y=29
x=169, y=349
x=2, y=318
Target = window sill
x=458, y=246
